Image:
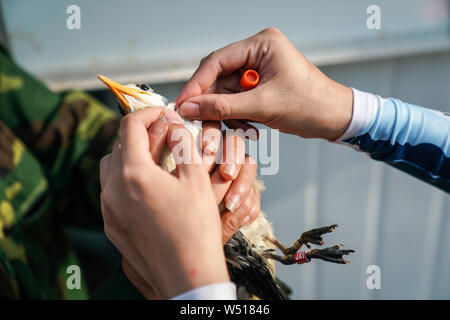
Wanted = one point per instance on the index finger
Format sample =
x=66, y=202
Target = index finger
x=211, y=137
x=134, y=135
x=219, y=63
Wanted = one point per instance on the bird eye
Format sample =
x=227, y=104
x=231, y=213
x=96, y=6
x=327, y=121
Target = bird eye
x=144, y=87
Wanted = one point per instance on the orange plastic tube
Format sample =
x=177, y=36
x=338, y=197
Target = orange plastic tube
x=249, y=79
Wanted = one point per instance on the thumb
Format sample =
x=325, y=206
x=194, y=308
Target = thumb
x=104, y=169
x=244, y=105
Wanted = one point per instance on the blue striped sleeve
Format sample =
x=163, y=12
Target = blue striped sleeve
x=411, y=138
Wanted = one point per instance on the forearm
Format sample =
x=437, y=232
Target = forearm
x=412, y=138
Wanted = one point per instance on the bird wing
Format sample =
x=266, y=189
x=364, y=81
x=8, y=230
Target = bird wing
x=250, y=272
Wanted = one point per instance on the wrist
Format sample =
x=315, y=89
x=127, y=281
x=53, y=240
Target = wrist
x=336, y=112
x=324, y=108
x=194, y=272
x=343, y=114
x=191, y=281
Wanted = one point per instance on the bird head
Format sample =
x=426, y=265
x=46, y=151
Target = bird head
x=133, y=97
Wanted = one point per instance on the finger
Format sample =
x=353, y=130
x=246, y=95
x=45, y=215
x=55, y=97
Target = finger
x=104, y=170
x=243, y=105
x=241, y=186
x=219, y=63
x=231, y=221
x=134, y=136
x=233, y=155
x=109, y=176
x=219, y=185
x=115, y=156
x=115, y=162
x=184, y=151
x=251, y=132
x=157, y=138
x=254, y=211
x=228, y=84
x=211, y=136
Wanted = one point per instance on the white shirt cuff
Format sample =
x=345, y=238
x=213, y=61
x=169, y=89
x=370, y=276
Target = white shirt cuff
x=365, y=108
x=215, y=291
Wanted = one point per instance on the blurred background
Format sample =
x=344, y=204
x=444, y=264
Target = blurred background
x=391, y=219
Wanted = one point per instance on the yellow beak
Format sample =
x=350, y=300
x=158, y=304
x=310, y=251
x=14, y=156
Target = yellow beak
x=120, y=91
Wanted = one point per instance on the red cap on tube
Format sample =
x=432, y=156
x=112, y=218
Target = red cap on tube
x=249, y=79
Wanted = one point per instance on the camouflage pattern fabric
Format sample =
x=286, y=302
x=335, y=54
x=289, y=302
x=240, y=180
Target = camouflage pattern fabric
x=50, y=147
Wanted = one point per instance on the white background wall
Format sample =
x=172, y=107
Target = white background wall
x=162, y=41
x=388, y=217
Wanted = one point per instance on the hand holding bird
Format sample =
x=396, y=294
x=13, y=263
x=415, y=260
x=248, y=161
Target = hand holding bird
x=157, y=136
x=145, y=224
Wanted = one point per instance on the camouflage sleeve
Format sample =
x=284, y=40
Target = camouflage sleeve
x=34, y=249
x=66, y=133
x=50, y=146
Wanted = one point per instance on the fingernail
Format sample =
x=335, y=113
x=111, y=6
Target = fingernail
x=211, y=146
x=229, y=170
x=245, y=221
x=232, y=202
x=158, y=128
x=190, y=110
x=172, y=117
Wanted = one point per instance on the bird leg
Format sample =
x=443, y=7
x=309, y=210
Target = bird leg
x=332, y=254
x=314, y=236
